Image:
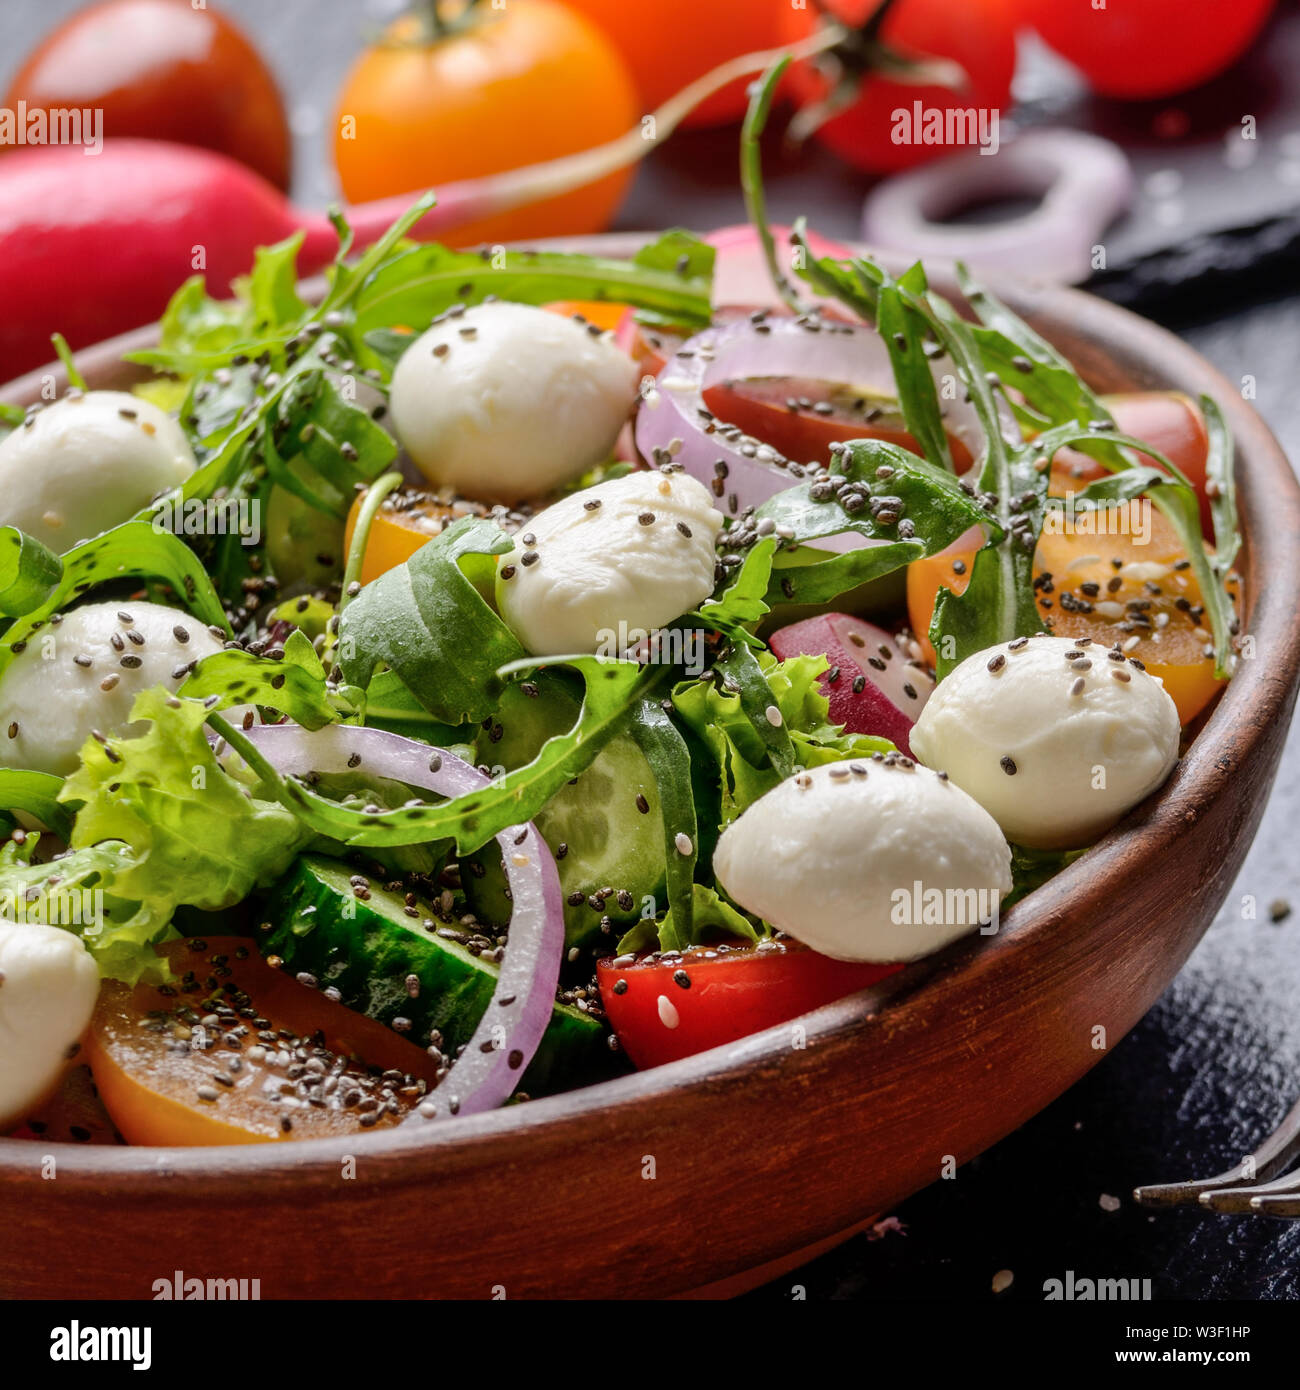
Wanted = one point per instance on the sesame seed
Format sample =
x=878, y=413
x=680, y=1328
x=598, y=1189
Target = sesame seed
x=1078, y=686
x=1008, y=765
x=997, y=662
x=109, y=682
x=668, y=1014
x=646, y=518
x=1121, y=675
x=773, y=716
x=683, y=843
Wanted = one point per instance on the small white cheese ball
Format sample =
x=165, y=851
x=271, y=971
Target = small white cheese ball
x=610, y=562
x=877, y=860
x=48, y=988
x=1056, y=741
x=74, y=677
x=505, y=402
x=88, y=463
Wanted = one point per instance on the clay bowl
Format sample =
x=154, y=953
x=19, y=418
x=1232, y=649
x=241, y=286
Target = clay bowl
x=728, y=1167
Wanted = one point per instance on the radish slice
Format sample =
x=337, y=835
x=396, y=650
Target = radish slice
x=874, y=685
x=508, y=1034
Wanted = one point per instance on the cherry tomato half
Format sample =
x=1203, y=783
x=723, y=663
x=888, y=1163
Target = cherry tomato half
x=673, y=1006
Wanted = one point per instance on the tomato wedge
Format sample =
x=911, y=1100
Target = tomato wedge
x=665, y=1007
x=236, y=1052
x=1169, y=421
x=1112, y=588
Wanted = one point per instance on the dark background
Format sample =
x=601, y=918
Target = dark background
x=1214, y=1066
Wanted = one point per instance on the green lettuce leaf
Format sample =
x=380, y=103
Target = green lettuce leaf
x=162, y=824
x=294, y=685
x=744, y=768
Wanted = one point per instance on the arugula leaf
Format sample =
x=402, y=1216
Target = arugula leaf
x=134, y=550
x=740, y=598
x=473, y=819
x=903, y=332
x=416, y=285
x=28, y=571
x=934, y=505
x=294, y=685
x=1221, y=487
x=36, y=793
x=431, y=626
x=670, y=761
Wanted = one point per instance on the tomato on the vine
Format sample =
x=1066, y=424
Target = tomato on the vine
x=491, y=90
x=978, y=35
x=1148, y=48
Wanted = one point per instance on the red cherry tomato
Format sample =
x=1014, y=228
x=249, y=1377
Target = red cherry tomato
x=163, y=70
x=1167, y=420
x=715, y=994
x=979, y=35
x=1148, y=48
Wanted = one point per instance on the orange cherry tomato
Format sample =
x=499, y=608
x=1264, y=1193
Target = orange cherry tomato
x=163, y=70
x=160, y=1088
x=670, y=43
x=602, y=312
x=502, y=88
x=1112, y=588
x=405, y=521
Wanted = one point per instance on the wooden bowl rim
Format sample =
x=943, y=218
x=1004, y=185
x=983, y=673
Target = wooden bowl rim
x=1269, y=500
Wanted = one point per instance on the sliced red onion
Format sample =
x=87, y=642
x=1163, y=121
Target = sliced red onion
x=674, y=422
x=1082, y=181
x=511, y=1029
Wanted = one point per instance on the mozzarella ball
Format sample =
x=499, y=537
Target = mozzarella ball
x=87, y=463
x=877, y=860
x=605, y=566
x=48, y=988
x=1056, y=741
x=505, y=402
x=71, y=679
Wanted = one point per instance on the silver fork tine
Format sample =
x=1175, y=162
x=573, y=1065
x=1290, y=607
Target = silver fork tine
x=1262, y=1199
x=1273, y=1157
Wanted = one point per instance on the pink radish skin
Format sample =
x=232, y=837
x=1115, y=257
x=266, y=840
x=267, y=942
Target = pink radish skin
x=883, y=706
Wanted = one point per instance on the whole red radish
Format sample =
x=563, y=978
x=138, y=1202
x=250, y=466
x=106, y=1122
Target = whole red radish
x=873, y=684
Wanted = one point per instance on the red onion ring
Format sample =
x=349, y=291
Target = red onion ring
x=1083, y=182
x=673, y=421
x=488, y=1071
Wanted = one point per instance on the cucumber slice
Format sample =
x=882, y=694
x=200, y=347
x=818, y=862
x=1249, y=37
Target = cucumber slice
x=600, y=836
x=368, y=949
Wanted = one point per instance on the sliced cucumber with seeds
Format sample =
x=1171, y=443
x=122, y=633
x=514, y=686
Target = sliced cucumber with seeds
x=604, y=829
x=389, y=966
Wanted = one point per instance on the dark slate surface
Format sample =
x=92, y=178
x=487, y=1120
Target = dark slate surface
x=1216, y=1063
